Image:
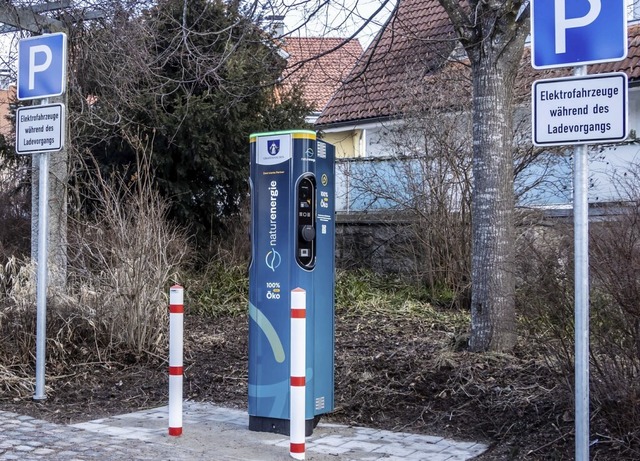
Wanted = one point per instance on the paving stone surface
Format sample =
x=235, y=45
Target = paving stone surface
x=213, y=433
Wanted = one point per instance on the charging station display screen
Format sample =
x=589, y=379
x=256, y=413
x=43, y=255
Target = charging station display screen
x=306, y=216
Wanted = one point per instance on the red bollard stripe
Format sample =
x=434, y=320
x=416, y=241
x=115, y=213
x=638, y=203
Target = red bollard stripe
x=175, y=431
x=298, y=381
x=298, y=313
x=176, y=308
x=296, y=448
x=175, y=371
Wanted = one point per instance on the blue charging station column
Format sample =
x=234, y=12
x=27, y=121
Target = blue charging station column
x=292, y=246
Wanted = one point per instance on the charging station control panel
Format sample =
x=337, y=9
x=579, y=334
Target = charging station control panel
x=306, y=241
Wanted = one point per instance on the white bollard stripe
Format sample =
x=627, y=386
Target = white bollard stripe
x=176, y=339
x=297, y=389
x=175, y=405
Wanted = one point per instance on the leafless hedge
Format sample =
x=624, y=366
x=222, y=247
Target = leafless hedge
x=123, y=257
x=546, y=302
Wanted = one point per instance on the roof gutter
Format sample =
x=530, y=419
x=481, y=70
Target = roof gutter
x=350, y=125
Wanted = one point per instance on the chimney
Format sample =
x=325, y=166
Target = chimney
x=277, y=25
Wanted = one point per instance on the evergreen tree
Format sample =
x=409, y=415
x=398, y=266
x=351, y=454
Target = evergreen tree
x=195, y=79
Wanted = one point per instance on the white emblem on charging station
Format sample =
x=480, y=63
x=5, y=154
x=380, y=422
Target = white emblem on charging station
x=272, y=150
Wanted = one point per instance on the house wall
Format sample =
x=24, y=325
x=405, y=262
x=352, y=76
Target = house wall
x=610, y=166
x=378, y=242
x=377, y=145
x=360, y=140
x=6, y=96
x=347, y=143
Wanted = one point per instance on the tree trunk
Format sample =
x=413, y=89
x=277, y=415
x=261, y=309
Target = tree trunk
x=493, y=325
x=493, y=318
x=493, y=34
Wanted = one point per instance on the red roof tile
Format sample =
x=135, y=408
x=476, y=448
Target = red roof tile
x=630, y=64
x=320, y=65
x=417, y=38
x=416, y=42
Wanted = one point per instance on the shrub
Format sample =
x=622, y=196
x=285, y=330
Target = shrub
x=546, y=300
x=123, y=258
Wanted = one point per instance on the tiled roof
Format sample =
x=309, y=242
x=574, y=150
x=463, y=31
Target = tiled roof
x=320, y=65
x=631, y=65
x=417, y=39
x=414, y=44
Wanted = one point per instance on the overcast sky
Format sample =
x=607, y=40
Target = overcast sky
x=308, y=18
x=334, y=18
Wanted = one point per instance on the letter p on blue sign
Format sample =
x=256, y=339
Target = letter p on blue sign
x=42, y=66
x=577, y=32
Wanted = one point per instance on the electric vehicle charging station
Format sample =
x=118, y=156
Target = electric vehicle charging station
x=292, y=246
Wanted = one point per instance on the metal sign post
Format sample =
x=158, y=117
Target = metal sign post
x=40, y=130
x=43, y=252
x=581, y=290
x=575, y=34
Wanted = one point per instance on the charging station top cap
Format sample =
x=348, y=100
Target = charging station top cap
x=296, y=134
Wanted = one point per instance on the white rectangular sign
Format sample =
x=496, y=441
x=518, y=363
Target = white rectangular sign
x=580, y=110
x=40, y=129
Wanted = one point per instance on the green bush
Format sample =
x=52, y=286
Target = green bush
x=220, y=289
x=364, y=293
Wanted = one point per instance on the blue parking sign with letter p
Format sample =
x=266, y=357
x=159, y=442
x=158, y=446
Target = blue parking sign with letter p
x=577, y=32
x=42, y=66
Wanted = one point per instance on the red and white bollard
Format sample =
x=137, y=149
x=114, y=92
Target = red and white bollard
x=298, y=373
x=176, y=336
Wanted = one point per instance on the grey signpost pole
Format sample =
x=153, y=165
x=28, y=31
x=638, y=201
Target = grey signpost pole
x=30, y=18
x=581, y=289
x=41, y=307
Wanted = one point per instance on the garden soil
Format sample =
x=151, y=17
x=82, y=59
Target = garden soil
x=392, y=373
